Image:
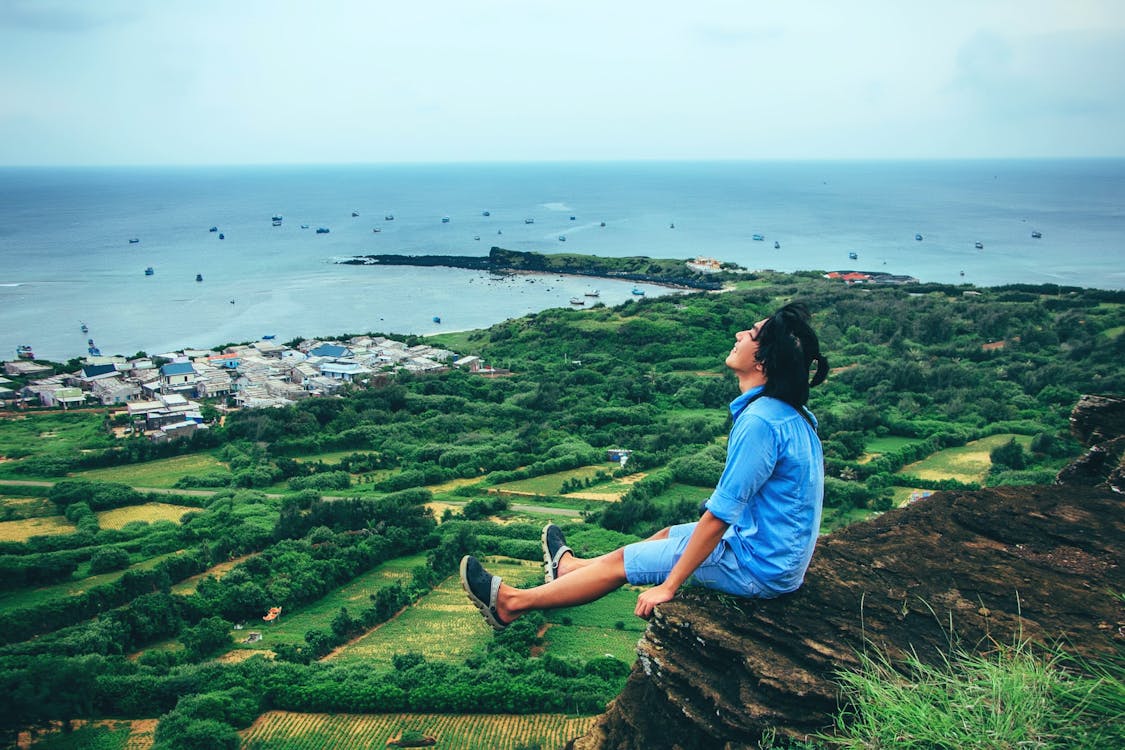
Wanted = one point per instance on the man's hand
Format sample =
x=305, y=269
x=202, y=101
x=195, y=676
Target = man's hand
x=649, y=599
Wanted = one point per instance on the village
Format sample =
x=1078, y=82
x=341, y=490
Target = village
x=162, y=396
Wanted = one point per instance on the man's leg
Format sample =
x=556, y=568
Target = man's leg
x=591, y=580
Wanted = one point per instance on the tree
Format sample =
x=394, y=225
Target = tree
x=106, y=559
x=210, y=635
x=1010, y=455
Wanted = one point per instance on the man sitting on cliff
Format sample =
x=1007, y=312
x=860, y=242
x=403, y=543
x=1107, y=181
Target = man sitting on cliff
x=757, y=534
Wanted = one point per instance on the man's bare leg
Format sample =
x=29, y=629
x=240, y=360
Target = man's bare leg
x=592, y=580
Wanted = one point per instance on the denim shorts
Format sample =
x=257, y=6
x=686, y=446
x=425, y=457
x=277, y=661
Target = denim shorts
x=651, y=562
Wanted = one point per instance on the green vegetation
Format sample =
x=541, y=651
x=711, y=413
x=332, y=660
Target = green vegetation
x=91, y=573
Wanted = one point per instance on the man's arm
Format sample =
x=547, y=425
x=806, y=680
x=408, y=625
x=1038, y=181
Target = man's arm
x=701, y=544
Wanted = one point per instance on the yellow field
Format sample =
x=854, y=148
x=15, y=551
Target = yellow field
x=968, y=463
x=162, y=472
x=285, y=730
x=442, y=626
x=187, y=586
x=21, y=531
x=151, y=512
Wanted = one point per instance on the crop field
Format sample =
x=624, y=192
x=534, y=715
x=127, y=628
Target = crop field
x=292, y=626
x=442, y=626
x=188, y=585
x=677, y=492
x=97, y=735
x=16, y=508
x=880, y=445
x=551, y=484
x=968, y=463
x=29, y=597
x=282, y=730
x=24, y=529
x=51, y=433
x=161, y=473
x=148, y=512
x=587, y=632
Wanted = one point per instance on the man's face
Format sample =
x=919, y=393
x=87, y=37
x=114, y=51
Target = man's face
x=741, y=358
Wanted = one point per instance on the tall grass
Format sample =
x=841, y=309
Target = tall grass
x=1013, y=697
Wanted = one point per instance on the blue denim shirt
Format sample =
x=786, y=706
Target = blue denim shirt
x=771, y=490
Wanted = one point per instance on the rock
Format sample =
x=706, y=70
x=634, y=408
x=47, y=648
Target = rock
x=1098, y=422
x=959, y=569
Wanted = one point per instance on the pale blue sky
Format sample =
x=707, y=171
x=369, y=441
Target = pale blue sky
x=256, y=81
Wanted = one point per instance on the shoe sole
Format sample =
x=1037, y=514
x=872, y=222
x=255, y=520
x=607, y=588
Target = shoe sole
x=548, y=563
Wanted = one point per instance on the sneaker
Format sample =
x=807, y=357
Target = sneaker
x=482, y=587
x=554, y=547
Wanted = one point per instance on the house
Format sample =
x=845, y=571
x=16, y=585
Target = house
x=177, y=376
x=110, y=391
x=343, y=370
x=69, y=397
x=24, y=368
x=471, y=362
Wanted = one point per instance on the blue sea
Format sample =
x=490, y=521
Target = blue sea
x=66, y=258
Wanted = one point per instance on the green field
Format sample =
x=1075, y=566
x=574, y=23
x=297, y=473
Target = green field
x=31, y=597
x=967, y=463
x=592, y=630
x=551, y=484
x=161, y=473
x=677, y=492
x=442, y=626
x=876, y=447
x=147, y=512
x=54, y=433
x=292, y=625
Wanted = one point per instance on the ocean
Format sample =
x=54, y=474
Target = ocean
x=66, y=259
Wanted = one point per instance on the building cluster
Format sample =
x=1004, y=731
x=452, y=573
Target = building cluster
x=161, y=394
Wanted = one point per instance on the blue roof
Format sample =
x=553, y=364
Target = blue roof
x=177, y=368
x=329, y=350
x=91, y=371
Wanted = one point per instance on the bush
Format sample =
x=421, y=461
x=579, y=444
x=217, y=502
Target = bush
x=107, y=559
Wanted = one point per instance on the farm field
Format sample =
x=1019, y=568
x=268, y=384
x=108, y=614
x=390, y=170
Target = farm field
x=442, y=625
x=677, y=492
x=292, y=626
x=551, y=484
x=98, y=735
x=28, y=597
x=161, y=473
x=24, y=529
x=50, y=433
x=968, y=463
x=592, y=630
x=188, y=585
x=282, y=730
x=148, y=512
x=880, y=445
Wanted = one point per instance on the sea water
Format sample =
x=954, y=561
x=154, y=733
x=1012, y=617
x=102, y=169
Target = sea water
x=66, y=259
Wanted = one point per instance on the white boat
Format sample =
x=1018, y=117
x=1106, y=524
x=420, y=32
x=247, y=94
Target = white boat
x=592, y=293
x=638, y=291
x=577, y=301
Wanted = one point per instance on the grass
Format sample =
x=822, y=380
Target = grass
x=968, y=463
x=148, y=512
x=114, y=735
x=55, y=433
x=880, y=445
x=29, y=597
x=677, y=492
x=590, y=631
x=1013, y=697
x=551, y=484
x=21, y=531
x=19, y=508
x=161, y=473
x=442, y=626
x=293, y=624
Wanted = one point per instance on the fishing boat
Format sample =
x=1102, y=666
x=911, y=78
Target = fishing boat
x=268, y=337
x=85, y=328
x=213, y=229
x=776, y=245
x=476, y=236
x=529, y=221
x=577, y=301
x=437, y=318
x=23, y=351
x=485, y=213
x=304, y=226
x=376, y=230
x=199, y=277
x=277, y=222
x=978, y=245
x=355, y=214
x=918, y=237
x=562, y=238
x=445, y=220
x=853, y=255
x=94, y=351
x=134, y=240
x=322, y=230
x=593, y=293
x=222, y=236
x=275, y=218
x=603, y=224
x=759, y=238
x=148, y=272
x=389, y=217
x=1036, y=235
x=638, y=291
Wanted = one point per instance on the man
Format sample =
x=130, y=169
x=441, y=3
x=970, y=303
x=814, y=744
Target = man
x=757, y=533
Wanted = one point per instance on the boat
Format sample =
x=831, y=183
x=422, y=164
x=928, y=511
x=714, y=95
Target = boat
x=603, y=224
x=638, y=291
x=776, y=245
x=445, y=220
x=562, y=238
x=275, y=218
x=213, y=229
x=593, y=293
x=1036, y=235
x=322, y=230
x=148, y=272
x=389, y=217
x=134, y=240
x=268, y=337
x=672, y=225
x=94, y=351
x=759, y=238
x=376, y=230
x=199, y=277
x=476, y=236
x=277, y=222
x=573, y=218
x=978, y=245
x=304, y=226
x=232, y=302
x=89, y=342
x=918, y=237
x=577, y=301
x=485, y=213
x=222, y=236
x=437, y=318
x=23, y=351
x=85, y=328
x=355, y=214
x=853, y=255
x=529, y=221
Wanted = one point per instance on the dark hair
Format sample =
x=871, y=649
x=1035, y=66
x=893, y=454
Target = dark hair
x=787, y=347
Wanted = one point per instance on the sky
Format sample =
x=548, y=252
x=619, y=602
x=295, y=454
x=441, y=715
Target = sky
x=162, y=82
